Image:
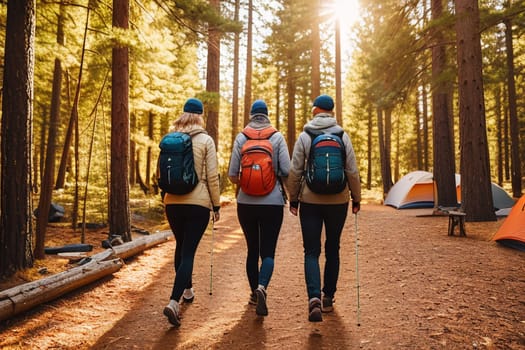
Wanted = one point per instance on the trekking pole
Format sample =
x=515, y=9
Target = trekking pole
x=211, y=253
x=357, y=270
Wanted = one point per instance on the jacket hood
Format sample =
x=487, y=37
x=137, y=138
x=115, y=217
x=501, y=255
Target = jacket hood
x=259, y=121
x=321, y=121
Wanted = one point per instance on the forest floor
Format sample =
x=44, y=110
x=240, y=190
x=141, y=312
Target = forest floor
x=418, y=288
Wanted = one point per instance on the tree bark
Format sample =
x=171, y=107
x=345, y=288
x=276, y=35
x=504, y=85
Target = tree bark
x=16, y=226
x=149, y=156
x=513, y=114
x=316, y=48
x=424, y=115
x=388, y=149
x=213, y=77
x=290, y=90
x=476, y=193
x=338, y=83
x=235, y=93
x=249, y=68
x=499, y=131
x=369, y=148
x=383, y=129
x=119, y=213
x=443, y=145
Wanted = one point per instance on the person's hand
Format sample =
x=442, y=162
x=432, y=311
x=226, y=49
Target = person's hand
x=293, y=211
x=216, y=216
x=356, y=206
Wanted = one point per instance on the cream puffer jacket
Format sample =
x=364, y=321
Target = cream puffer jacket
x=207, y=191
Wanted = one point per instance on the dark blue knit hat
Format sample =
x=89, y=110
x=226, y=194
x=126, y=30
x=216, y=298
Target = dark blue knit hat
x=193, y=105
x=259, y=107
x=324, y=102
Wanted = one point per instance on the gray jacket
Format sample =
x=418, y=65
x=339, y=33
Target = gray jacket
x=281, y=162
x=297, y=188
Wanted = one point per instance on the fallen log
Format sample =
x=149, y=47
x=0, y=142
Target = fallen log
x=68, y=248
x=140, y=244
x=21, y=298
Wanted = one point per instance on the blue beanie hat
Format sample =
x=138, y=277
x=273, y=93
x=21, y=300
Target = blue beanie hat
x=324, y=102
x=193, y=105
x=259, y=107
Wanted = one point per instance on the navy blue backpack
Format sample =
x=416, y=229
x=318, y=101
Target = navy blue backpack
x=325, y=167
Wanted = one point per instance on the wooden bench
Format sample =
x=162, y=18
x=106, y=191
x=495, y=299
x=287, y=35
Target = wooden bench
x=456, y=218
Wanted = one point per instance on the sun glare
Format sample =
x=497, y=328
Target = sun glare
x=347, y=11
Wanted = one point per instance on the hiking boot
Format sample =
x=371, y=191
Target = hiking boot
x=261, y=309
x=188, y=295
x=253, y=299
x=171, y=311
x=314, y=309
x=328, y=303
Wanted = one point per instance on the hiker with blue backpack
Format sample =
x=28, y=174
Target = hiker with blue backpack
x=187, y=174
x=323, y=178
x=259, y=165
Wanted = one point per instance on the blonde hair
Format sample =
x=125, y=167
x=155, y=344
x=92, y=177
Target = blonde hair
x=187, y=122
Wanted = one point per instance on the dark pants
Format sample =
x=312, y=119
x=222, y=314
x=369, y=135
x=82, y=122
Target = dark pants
x=188, y=223
x=261, y=225
x=312, y=217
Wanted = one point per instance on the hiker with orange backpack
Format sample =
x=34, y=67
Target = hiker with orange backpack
x=323, y=178
x=259, y=165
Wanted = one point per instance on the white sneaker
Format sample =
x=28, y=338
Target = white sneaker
x=171, y=311
x=188, y=295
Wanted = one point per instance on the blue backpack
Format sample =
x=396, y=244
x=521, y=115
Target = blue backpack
x=177, y=173
x=325, y=167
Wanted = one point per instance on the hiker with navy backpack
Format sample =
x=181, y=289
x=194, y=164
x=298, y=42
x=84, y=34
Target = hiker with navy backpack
x=259, y=165
x=323, y=178
x=187, y=174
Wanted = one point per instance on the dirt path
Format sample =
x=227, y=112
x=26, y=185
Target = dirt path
x=419, y=289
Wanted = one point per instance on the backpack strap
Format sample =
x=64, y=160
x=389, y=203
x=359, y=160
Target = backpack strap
x=316, y=132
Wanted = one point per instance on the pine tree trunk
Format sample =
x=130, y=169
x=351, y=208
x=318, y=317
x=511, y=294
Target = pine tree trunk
x=149, y=155
x=370, y=126
x=513, y=114
x=316, y=48
x=425, y=139
x=17, y=96
x=388, y=149
x=291, y=111
x=338, y=83
x=235, y=93
x=384, y=151
x=476, y=194
x=119, y=213
x=419, y=142
x=213, y=78
x=499, y=131
x=444, y=167
x=248, y=77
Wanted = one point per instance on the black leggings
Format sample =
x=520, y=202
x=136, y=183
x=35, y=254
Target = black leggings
x=188, y=223
x=261, y=225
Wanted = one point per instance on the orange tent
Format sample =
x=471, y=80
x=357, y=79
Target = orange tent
x=512, y=232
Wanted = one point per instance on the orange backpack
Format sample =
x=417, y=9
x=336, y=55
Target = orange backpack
x=257, y=176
